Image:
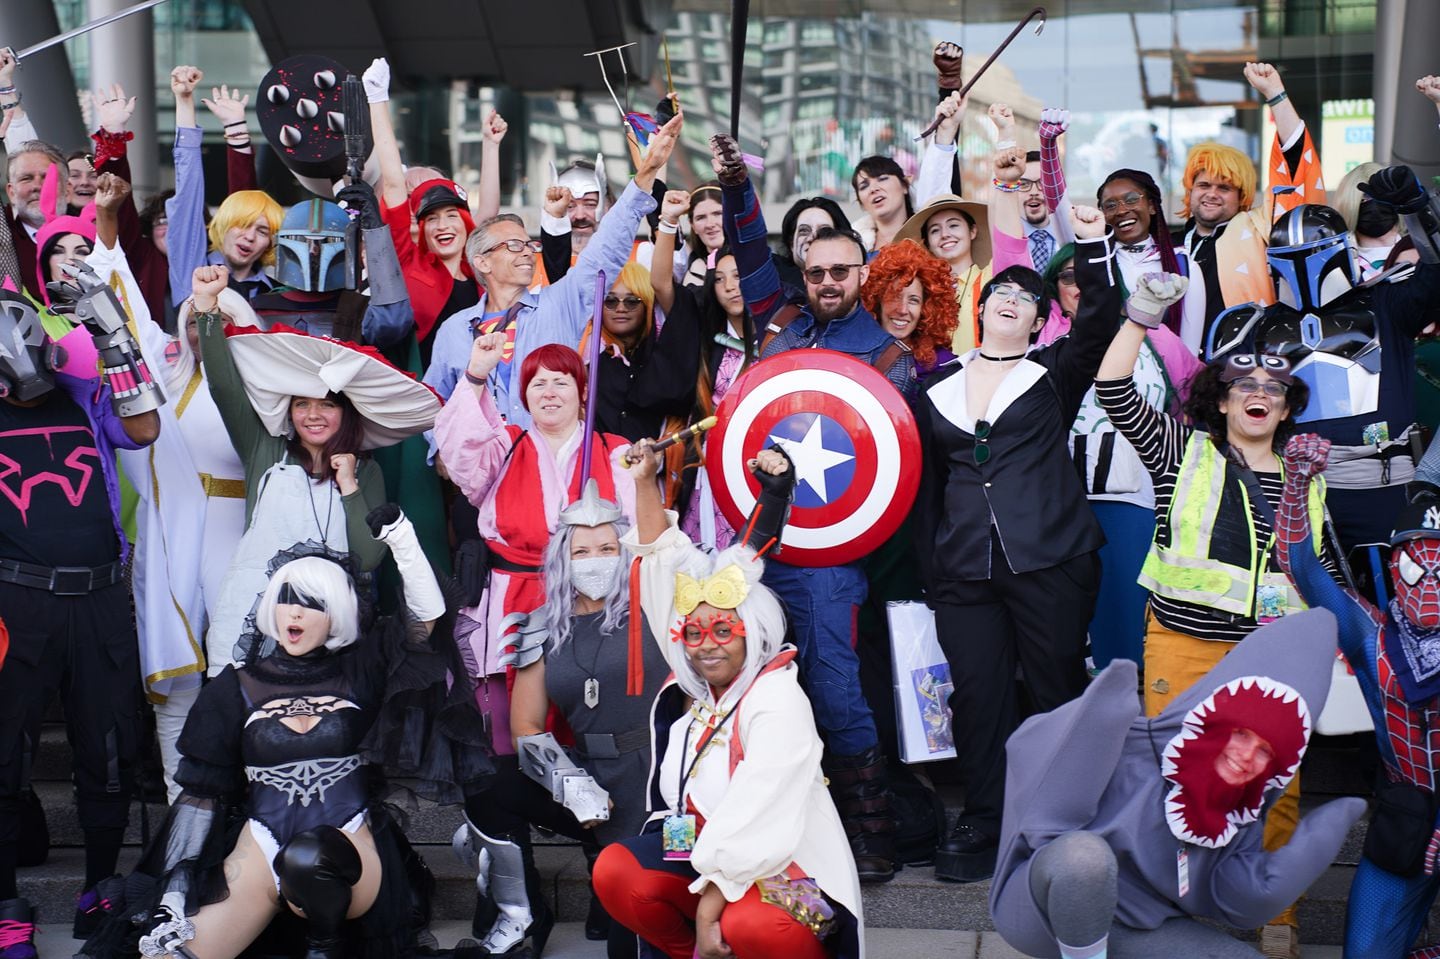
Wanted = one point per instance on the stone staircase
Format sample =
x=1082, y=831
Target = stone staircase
x=913, y=900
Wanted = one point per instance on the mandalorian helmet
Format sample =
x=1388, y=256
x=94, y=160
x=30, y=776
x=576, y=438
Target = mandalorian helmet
x=27, y=357
x=1310, y=258
x=310, y=247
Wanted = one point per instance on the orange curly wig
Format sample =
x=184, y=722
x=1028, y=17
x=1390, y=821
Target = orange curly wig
x=893, y=269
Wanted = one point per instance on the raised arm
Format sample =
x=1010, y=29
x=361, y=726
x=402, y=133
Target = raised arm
x=1080, y=355
x=1265, y=80
x=226, y=387
x=745, y=232
x=1305, y=458
x=938, y=161
x=1429, y=88
x=1005, y=203
x=387, y=149
x=1053, y=124
x=228, y=108
x=489, y=198
x=185, y=211
x=662, y=261
x=470, y=434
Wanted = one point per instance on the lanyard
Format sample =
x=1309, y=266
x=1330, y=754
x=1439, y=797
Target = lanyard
x=700, y=748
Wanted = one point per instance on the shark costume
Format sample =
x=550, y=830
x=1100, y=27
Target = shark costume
x=1120, y=831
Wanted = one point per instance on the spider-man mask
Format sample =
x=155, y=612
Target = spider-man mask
x=1415, y=570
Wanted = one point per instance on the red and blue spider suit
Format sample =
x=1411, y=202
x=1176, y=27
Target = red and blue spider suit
x=1395, y=654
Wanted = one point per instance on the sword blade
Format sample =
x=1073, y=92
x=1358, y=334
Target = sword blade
x=86, y=28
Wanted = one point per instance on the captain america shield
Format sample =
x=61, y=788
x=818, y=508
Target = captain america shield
x=851, y=437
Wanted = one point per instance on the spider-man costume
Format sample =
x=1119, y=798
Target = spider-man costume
x=1396, y=657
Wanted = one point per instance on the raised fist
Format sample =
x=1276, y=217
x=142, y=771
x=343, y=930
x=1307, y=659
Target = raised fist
x=1398, y=188
x=382, y=516
x=1053, y=122
x=495, y=128
x=1265, y=79
x=206, y=285
x=1087, y=222
x=184, y=80
x=1004, y=119
x=726, y=160
x=674, y=205
x=1009, y=164
x=377, y=80
x=1306, y=455
x=948, y=57
x=1153, y=295
x=110, y=192
x=557, y=201
x=1429, y=88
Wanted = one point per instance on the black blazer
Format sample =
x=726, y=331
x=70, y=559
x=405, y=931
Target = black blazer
x=1028, y=489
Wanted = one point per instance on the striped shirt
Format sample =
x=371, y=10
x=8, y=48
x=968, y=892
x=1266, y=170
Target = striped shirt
x=1160, y=440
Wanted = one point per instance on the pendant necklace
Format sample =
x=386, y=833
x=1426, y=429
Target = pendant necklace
x=329, y=507
x=592, y=683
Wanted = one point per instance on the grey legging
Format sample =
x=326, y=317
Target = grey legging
x=1073, y=880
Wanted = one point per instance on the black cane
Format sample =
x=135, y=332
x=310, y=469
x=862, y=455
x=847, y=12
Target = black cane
x=1037, y=12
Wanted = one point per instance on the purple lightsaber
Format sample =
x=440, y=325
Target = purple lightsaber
x=1037, y=12
x=592, y=363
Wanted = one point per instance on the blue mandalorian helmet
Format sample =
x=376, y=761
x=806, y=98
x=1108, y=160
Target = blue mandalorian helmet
x=310, y=247
x=1310, y=258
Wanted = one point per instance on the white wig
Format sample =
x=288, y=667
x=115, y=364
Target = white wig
x=761, y=612
x=319, y=579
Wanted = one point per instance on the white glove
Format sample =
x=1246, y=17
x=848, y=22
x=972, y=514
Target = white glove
x=1152, y=296
x=377, y=80
x=422, y=592
x=1054, y=121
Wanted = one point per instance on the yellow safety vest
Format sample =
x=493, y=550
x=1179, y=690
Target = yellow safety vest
x=1188, y=563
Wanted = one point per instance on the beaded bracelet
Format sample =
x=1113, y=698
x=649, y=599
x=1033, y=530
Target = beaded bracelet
x=1004, y=187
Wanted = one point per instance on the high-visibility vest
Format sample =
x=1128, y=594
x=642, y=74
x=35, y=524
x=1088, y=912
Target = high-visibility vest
x=1204, y=551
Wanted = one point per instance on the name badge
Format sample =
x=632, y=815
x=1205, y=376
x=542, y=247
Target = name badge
x=1269, y=602
x=677, y=837
x=1182, y=871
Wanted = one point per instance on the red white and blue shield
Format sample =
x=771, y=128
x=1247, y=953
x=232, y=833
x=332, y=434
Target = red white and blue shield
x=851, y=437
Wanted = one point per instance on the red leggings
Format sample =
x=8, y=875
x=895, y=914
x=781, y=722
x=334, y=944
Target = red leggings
x=659, y=907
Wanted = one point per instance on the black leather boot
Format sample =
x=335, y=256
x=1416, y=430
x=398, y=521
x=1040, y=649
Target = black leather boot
x=967, y=855
x=858, y=786
x=317, y=869
x=597, y=920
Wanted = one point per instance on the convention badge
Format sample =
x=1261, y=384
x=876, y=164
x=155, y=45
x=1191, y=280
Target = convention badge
x=1182, y=871
x=677, y=837
x=1269, y=602
x=1376, y=434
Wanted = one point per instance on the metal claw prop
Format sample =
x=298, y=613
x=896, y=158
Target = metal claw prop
x=599, y=55
x=1037, y=12
x=84, y=28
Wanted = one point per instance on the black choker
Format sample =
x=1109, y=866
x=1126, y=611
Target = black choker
x=1001, y=359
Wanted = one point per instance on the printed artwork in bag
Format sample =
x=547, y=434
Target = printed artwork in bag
x=933, y=687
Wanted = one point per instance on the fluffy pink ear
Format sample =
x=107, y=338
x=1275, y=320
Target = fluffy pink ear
x=87, y=213
x=50, y=192
x=9, y=284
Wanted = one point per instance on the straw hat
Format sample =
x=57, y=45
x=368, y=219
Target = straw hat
x=914, y=228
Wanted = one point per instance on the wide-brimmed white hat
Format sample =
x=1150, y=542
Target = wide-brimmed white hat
x=282, y=362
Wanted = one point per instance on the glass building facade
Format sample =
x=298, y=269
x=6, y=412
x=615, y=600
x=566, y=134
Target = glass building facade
x=1144, y=82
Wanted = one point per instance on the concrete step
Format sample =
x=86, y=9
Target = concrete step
x=913, y=900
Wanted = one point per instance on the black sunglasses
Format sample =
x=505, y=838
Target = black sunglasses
x=982, y=442
x=815, y=275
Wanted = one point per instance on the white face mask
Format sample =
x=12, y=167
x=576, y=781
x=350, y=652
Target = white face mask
x=593, y=576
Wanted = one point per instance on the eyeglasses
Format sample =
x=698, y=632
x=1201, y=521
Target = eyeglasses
x=1250, y=385
x=815, y=275
x=982, y=442
x=1026, y=185
x=1129, y=201
x=515, y=246
x=722, y=630
x=1016, y=293
x=613, y=302
x=1066, y=276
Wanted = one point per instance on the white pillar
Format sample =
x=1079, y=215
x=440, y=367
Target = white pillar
x=1406, y=35
x=124, y=52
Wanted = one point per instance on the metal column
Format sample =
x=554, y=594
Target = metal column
x=1406, y=35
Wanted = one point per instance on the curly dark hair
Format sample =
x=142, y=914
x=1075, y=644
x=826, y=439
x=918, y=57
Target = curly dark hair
x=1202, y=407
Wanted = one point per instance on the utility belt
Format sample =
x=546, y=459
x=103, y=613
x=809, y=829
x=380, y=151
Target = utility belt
x=612, y=745
x=61, y=580
x=1371, y=465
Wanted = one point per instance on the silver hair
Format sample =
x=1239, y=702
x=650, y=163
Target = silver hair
x=1345, y=198
x=326, y=581
x=480, y=238
x=761, y=612
x=50, y=150
x=560, y=599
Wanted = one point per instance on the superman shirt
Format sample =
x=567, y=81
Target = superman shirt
x=54, y=506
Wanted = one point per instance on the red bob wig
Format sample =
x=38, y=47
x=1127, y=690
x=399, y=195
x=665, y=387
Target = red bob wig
x=554, y=357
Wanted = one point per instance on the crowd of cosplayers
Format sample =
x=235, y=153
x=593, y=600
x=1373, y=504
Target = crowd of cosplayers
x=381, y=491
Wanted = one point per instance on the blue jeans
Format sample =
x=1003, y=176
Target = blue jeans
x=822, y=605
x=1117, y=630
